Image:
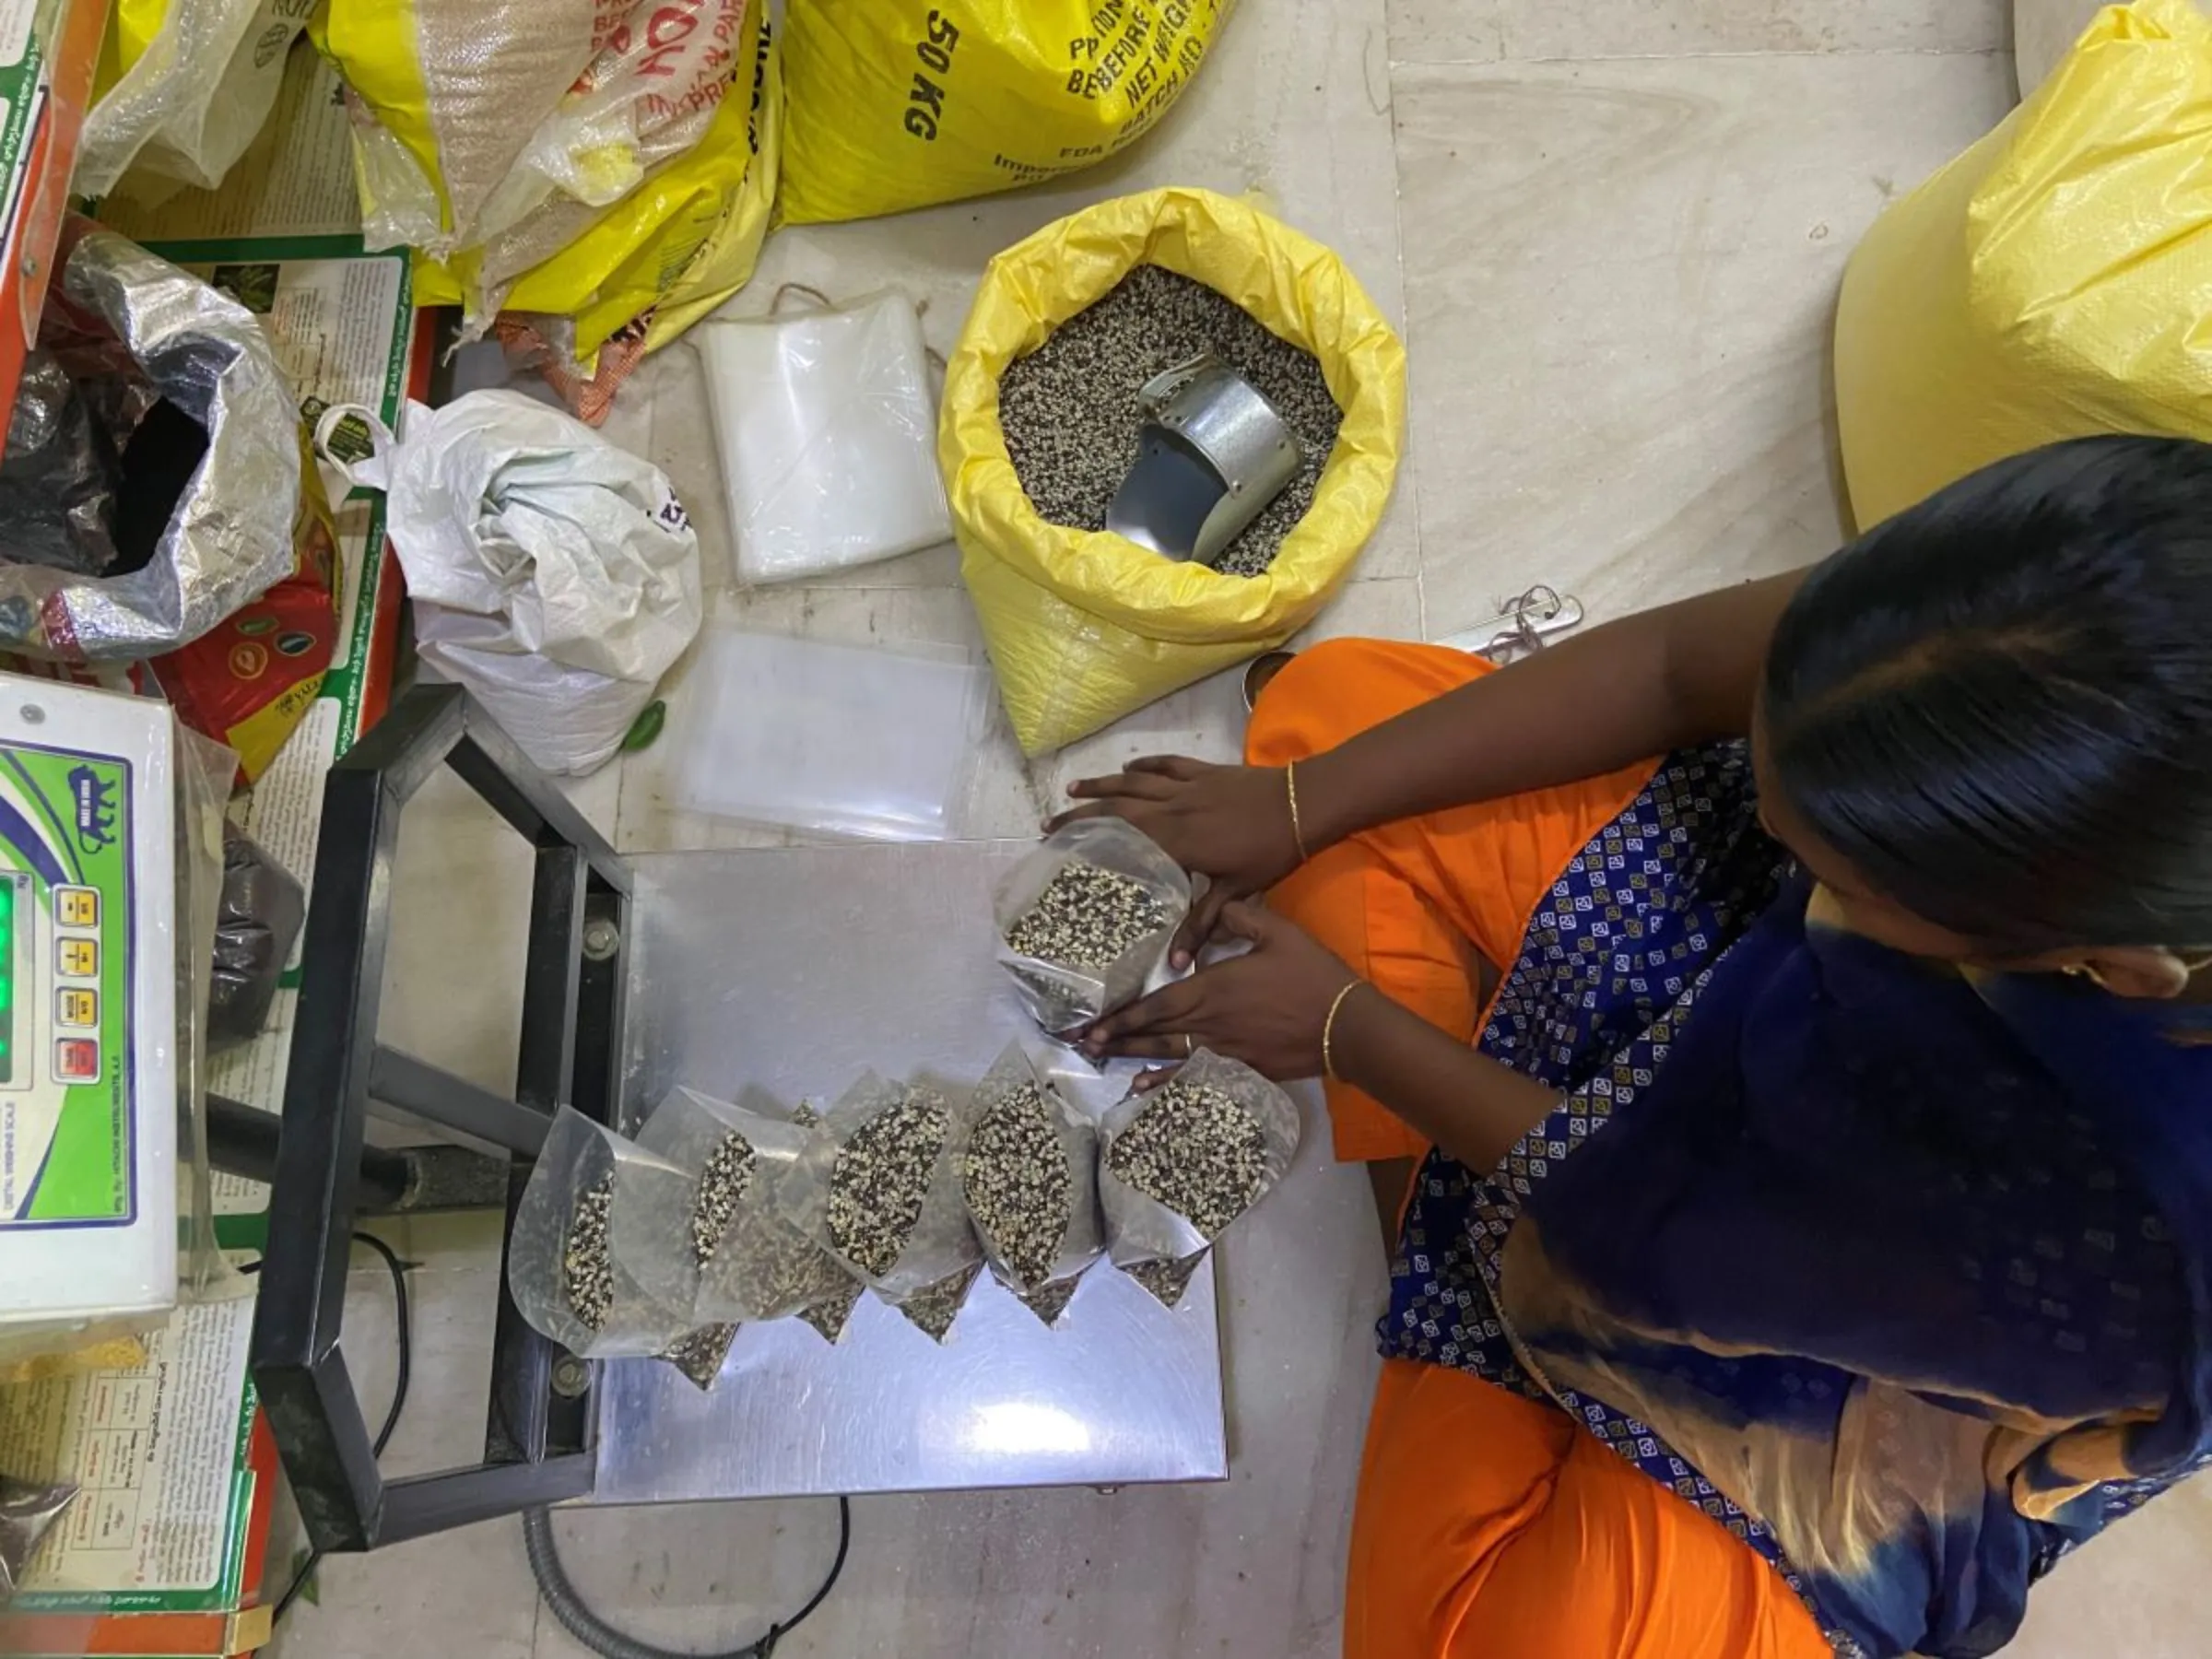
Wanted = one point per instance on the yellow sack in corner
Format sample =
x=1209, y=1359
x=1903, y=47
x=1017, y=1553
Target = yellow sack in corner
x=2052, y=282
x=679, y=244
x=1085, y=625
x=896, y=104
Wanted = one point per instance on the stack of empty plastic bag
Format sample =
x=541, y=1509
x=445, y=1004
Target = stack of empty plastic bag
x=576, y=159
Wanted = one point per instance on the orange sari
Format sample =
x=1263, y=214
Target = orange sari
x=1488, y=1526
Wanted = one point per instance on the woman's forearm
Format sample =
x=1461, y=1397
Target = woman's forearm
x=1640, y=687
x=1464, y=1102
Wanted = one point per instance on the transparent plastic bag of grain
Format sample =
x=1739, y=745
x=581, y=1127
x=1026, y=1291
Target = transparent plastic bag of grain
x=879, y=1186
x=1180, y=1162
x=1030, y=1182
x=752, y=1263
x=1062, y=995
x=600, y=1260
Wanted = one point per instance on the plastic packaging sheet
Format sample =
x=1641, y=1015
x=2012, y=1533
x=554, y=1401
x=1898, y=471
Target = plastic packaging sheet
x=600, y=1258
x=1140, y=1231
x=935, y=1253
x=1076, y=1144
x=1064, y=997
x=60, y=475
x=229, y=539
x=832, y=738
x=826, y=422
x=258, y=923
x=192, y=95
x=754, y=1265
x=27, y=1509
x=204, y=772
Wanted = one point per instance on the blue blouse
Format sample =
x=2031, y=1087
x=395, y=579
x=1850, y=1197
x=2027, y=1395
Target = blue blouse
x=1901, y=1275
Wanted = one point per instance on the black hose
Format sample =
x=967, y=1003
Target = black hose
x=601, y=1638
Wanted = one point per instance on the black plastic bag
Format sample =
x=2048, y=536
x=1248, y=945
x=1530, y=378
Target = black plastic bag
x=262, y=906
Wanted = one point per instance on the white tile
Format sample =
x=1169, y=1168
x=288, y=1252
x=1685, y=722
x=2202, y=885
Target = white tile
x=1621, y=305
x=2137, y=1589
x=1435, y=31
x=466, y=1592
x=1446, y=31
x=1250, y=1565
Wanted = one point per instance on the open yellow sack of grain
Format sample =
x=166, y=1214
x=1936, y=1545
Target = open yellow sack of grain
x=1084, y=626
x=2054, y=281
x=897, y=105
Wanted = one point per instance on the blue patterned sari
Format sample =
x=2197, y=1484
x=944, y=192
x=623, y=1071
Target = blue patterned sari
x=1901, y=1275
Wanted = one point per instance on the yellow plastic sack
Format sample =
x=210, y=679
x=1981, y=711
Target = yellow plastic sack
x=897, y=104
x=2054, y=281
x=1084, y=626
x=681, y=243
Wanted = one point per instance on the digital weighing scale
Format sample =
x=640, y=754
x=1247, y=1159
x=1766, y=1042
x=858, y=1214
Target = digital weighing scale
x=88, y=1009
x=786, y=969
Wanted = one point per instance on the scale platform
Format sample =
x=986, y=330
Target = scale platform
x=794, y=969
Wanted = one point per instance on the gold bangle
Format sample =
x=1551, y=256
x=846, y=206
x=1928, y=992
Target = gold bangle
x=1328, y=1030
x=1297, y=832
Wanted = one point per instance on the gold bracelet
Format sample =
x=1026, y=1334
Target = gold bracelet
x=1297, y=832
x=1328, y=1030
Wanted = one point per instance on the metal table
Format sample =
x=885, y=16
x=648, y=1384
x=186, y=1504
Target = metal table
x=788, y=970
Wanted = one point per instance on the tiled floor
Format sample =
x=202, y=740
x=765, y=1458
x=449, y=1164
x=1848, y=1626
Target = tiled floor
x=1615, y=238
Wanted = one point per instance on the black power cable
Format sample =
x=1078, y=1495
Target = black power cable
x=399, y=1395
x=601, y=1638
x=553, y=1581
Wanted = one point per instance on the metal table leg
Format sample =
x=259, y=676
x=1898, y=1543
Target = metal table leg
x=538, y=1444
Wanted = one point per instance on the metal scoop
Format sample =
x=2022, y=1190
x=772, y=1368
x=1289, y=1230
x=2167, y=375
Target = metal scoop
x=1210, y=456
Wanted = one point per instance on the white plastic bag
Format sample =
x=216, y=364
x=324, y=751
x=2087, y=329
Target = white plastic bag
x=826, y=422
x=198, y=91
x=554, y=575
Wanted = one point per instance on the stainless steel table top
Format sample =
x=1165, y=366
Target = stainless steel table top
x=794, y=969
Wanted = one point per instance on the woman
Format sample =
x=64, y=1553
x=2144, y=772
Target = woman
x=1813, y=1235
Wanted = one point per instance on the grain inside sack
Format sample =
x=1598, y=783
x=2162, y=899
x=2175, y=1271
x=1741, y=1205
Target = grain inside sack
x=1196, y=1150
x=881, y=1177
x=1018, y=1184
x=879, y=1186
x=699, y=1355
x=1083, y=919
x=1182, y=1161
x=722, y=1185
x=1086, y=917
x=933, y=1307
x=1070, y=415
x=587, y=1264
x=1029, y=1177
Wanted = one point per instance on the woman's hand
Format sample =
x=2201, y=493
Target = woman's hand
x=1266, y=1008
x=1230, y=824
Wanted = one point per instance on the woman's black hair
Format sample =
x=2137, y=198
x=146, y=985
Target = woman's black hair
x=1997, y=706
